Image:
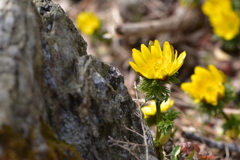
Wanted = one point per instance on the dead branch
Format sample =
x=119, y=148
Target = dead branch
x=125, y=145
x=118, y=142
x=212, y=143
x=133, y=131
x=140, y=115
x=181, y=20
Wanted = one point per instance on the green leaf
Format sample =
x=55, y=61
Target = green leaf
x=175, y=152
x=174, y=158
x=174, y=79
x=230, y=92
x=154, y=89
x=233, y=122
x=156, y=143
x=231, y=45
x=210, y=109
x=167, y=121
x=190, y=157
x=236, y=5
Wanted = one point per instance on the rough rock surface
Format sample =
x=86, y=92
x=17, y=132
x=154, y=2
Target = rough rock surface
x=47, y=82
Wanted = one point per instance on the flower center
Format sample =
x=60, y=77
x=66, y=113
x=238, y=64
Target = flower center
x=210, y=89
x=157, y=63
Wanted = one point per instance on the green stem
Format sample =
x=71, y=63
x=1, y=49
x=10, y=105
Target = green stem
x=158, y=134
x=224, y=115
x=158, y=118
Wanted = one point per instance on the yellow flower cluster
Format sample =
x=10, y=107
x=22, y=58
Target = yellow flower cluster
x=154, y=63
x=206, y=86
x=87, y=22
x=150, y=109
x=224, y=20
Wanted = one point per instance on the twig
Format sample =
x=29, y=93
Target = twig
x=211, y=143
x=227, y=153
x=125, y=145
x=117, y=142
x=143, y=128
x=133, y=131
x=129, y=146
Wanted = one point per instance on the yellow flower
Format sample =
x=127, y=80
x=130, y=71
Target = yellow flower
x=153, y=63
x=206, y=86
x=87, y=22
x=150, y=109
x=226, y=24
x=213, y=7
x=223, y=19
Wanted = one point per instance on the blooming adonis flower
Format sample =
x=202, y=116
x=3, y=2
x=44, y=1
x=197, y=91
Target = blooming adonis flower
x=154, y=63
x=213, y=7
x=206, y=86
x=150, y=109
x=226, y=24
x=87, y=22
x=224, y=20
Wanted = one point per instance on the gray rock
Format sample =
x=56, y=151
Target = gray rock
x=58, y=101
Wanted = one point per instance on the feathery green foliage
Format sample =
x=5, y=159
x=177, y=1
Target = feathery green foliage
x=156, y=89
x=167, y=121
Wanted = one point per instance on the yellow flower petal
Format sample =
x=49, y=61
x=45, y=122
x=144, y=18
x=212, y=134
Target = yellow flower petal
x=167, y=51
x=153, y=63
x=87, y=22
x=201, y=71
x=158, y=47
x=182, y=56
x=145, y=52
x=224, y=20
x=150, y=44
x=150, y=109
x=155, y=52
x=137, y=58
x=206, y=86
x=136, y=68
x=166, y=105
x=213, y=7
x=217, y=74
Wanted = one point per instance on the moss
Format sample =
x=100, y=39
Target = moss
x=58, y=150
x=15, y=147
